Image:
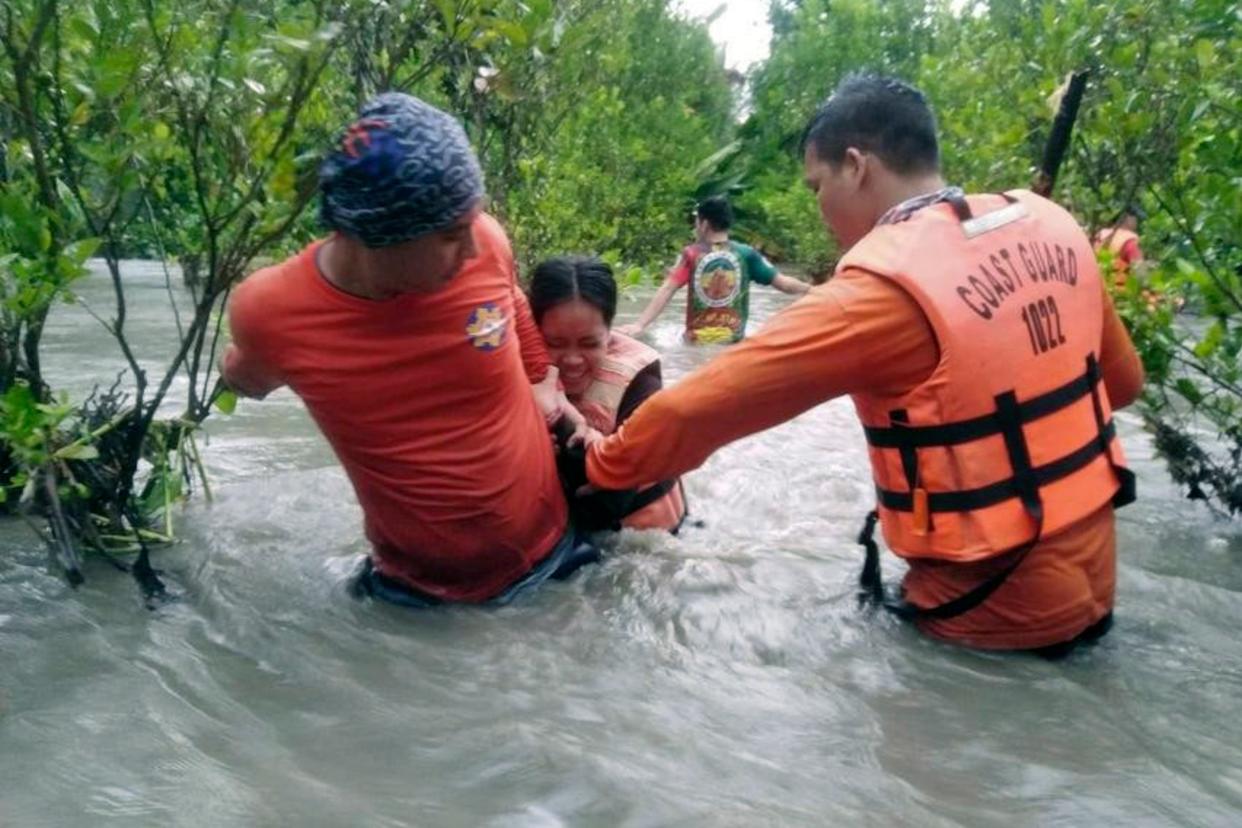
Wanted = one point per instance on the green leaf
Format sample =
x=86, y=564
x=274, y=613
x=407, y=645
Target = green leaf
x=82, y=249
x=1211, y=341
x=296, y=43
x=512, y=31
x=1188, y=390
x=227, y=402
x=81, y=113
x=448, y=12
x=18, y=398
x=84, y=27
x=82, y=451
x=1205, y=54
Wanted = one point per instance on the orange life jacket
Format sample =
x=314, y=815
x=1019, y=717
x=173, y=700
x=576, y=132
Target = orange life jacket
x=1115, y=239
x=1011, y=437
x=600, y=403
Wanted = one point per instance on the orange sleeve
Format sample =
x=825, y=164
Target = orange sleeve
x=246, y=364
x=1119, y=362
x=530, y=342
x=857, y=332
x=534, y=353
x=680, y=273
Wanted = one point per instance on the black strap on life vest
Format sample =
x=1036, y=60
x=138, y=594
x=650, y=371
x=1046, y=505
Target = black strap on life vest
x=872, y=590
x=1006, y=420
x=907, y=450
x=603, y=509
x=976, y=428
x=606, y=509
x=957, y=200
x=685, y=511
x=1026, y=487
x=871, y=581
x=645, y=497
x=1127, y=492
x=1009, y=415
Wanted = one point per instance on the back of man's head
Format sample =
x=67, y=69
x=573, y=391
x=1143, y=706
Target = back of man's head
x=1131, y=215
x=879, y=115
x=402, y=170
x=716, y=212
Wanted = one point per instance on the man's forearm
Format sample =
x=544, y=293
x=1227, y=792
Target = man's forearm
x=790, y=285
x=784, y=369
x=656, y=306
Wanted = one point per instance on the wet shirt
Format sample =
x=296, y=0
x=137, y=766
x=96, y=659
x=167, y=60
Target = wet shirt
x=719, y=275
x=1129, y=251
x=859, y=332
x=426, y=400
x=1124, y=245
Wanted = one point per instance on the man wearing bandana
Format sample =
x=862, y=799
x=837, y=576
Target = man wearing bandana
x=406, y=336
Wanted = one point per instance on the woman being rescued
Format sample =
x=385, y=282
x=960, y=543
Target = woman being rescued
x=606, y=375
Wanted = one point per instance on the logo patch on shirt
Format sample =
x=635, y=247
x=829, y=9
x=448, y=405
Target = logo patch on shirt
x=487, y=327
x=718, y=279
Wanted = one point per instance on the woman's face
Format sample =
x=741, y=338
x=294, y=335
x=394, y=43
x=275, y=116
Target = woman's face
x=577, y=340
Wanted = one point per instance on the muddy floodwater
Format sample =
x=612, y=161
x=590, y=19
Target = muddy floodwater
x=722, y=678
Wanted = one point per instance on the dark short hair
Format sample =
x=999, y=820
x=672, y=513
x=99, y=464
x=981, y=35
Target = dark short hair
x=880, y=115
x=563, y=278
x=716, y=212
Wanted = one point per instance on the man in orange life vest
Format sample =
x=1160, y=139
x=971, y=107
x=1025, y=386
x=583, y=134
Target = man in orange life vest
x=409, y=341
x=1123, y=242
x=984, y=359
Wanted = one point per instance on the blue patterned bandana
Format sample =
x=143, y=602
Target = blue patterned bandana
x=402, y=170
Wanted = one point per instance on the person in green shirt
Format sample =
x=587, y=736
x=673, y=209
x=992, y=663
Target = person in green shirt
x=719, y=272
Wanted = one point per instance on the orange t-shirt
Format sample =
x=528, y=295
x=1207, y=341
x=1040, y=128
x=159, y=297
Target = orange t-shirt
x=860, y=332
x=426, y=400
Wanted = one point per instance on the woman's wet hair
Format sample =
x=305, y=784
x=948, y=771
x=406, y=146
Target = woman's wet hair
x=565, y=278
